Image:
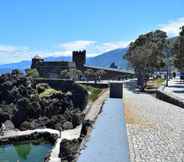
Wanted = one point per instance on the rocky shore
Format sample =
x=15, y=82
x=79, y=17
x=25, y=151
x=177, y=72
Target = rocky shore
x=26, y=105
x=31, y=110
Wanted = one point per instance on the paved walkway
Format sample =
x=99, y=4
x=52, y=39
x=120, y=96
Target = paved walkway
x=155, y=129
x=175, y=88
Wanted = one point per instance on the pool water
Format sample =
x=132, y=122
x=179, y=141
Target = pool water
x=24, y=152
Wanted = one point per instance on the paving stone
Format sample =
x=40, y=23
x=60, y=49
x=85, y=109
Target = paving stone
x=160, y=138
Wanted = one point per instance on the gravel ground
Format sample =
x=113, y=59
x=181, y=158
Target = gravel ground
x=155, y=129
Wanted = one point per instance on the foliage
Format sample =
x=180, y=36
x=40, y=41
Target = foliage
x=155, y=83
x=178, y=51
x=113, y=65
x=73, y=74
x=146, y=54
x=93, y=92
x=48, y=92
x=16, y=72
x=32, y=73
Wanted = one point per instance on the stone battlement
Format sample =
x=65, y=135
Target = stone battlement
x=52, y=69
x=79, y=57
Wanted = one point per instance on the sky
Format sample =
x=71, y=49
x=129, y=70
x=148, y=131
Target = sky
x=57, y=27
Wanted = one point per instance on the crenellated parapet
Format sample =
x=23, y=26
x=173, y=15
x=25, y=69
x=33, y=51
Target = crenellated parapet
x=79, y=57
x=36, y=61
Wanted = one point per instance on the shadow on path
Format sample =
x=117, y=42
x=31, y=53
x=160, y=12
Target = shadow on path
x=176, y=86
x=132, y=86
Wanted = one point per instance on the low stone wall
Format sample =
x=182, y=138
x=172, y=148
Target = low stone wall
x=97, y=85
x=160, y=94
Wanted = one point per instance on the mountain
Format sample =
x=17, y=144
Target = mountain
x=26, y=64
x=103, y=60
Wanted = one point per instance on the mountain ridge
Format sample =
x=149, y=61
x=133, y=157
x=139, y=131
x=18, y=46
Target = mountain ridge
x=103, y=60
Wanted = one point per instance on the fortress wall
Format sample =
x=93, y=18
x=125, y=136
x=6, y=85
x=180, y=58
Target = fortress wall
x=109, y=74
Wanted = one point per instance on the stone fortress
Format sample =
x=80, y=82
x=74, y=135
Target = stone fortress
x=52, y=69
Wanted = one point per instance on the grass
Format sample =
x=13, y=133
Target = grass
x=92, y=91
x=154, y=83
x=48, y=92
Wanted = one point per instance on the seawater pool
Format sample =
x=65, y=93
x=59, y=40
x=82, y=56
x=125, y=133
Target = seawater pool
x=27, y=152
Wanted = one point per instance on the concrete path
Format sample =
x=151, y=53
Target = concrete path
x=155, y=128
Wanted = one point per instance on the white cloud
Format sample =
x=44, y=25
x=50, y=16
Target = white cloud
x=107, y=46
x=93, y=48
x=11, y=54
x=7, y=48
x=78, y=45
x=172, y=27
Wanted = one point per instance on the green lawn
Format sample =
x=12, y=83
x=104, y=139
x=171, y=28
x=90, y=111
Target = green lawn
x=92, y=91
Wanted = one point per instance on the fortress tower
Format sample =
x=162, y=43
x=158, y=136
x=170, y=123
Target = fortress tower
x=36, y=61
x=79, y=57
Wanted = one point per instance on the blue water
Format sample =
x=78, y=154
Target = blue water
x=24, y=152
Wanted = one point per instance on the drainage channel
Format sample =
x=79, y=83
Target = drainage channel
x=108, y=141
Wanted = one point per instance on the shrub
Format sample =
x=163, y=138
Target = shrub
x=33, y=73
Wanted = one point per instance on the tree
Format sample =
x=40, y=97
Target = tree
x=32, y=73
x=73, y=74
x=16, y=72
x=113, y=65
x=178, y=51
x=146, y=54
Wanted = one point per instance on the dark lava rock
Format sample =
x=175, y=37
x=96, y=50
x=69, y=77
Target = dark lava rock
x=9, y=125
x=85, y=126
x=77, y=118
x=67, y=125
x=79, y=96
x=41, y=122
x=69, y=150
x=25, y=126
x=41, y=87
x=21, y=104
x=6, y=112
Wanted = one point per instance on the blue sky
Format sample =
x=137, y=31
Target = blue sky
x=56, y=27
